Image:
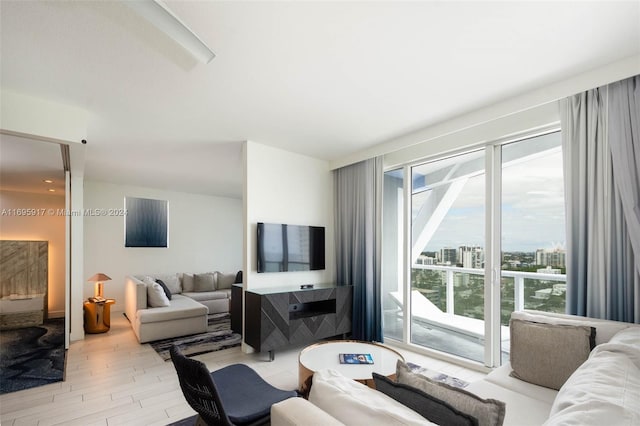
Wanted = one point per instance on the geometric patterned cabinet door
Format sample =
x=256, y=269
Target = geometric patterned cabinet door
x=275, y=318
x=23, y=282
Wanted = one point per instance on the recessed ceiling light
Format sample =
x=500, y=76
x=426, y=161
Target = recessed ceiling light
x=47, y=181
x=52, y=190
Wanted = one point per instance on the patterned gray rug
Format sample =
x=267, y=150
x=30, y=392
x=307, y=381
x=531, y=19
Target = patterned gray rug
x=218, y=336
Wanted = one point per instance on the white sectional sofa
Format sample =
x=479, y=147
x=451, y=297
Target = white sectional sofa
x=603, y=390
x=191, y=302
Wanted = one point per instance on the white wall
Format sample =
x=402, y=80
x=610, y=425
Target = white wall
x=205, y=234
x=28, y=115
x=46, y=227
x=284, y=187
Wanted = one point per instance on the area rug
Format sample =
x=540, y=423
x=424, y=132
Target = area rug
x=32, y=356
x=218, y=336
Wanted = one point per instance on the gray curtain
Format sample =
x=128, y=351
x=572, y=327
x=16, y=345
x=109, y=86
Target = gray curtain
x=601, y=144
x=357, y=223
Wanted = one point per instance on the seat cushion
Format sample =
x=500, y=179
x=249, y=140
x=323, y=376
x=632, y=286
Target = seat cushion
x=501, y=377
x=521, y=410
x=209, y=295
x=245, y=396
x=180, y=307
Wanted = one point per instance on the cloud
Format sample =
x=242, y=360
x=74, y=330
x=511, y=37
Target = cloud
x=532, y=208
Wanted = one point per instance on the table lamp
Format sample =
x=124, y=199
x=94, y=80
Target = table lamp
x=98, y=279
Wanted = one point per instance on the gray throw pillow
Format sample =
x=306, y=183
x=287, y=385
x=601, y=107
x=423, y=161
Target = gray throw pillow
x=187, y=283
x=204, y=282
x=547, y=354
x=488, y=412
x=171, y=281
x=428, y=406
x=225, y=281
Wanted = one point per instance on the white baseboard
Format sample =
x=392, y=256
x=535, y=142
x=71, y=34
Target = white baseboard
x=55, y=314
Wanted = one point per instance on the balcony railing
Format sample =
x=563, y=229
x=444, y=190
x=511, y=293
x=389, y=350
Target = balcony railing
x=518, y=277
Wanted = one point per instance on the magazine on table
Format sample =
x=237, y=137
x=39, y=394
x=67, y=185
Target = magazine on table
x=355, y=358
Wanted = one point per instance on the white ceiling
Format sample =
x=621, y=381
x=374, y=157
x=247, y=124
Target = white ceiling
x=324, y=79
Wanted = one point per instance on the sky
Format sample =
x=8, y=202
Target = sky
x=532, y=206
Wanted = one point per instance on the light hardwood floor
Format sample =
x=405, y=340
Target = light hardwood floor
x=111, y=379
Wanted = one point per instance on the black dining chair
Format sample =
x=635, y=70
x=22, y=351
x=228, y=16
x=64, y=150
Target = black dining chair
x=233, y=395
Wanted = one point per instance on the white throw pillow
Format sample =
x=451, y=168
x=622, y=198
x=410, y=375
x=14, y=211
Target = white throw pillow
x=156, y=298
x=352, y=402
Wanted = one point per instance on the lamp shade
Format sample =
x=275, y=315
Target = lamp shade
x=99, y=277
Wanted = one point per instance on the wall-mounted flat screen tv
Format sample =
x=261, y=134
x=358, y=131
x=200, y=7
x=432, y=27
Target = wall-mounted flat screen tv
x=286, y=248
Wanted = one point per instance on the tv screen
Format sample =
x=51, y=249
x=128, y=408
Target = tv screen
x=285, y=248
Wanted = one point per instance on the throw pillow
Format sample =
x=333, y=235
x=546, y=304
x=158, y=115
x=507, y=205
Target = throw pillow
x=352, y=402
x=204, y=282
x=225, y=281
x=488, y=412
x=172, y=282
x=187, y=283
x=167, y=292
x=428, y=406
x=156, y=297
x=547, y=354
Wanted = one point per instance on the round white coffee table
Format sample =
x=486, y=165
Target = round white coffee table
x=326, y=355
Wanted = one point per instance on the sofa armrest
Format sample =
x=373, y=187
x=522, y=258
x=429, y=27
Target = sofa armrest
x=299, y=411
x=135, y=296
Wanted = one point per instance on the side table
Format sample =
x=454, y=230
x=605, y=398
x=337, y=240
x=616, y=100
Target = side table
x=97, y=316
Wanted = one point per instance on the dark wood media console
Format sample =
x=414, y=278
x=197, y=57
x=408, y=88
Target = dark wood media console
x=275, y=318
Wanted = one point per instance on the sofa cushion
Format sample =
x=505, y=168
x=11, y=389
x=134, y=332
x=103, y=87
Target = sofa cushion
x=180, y=307
x=501, y=376
x=204, y=282
x=156, y=298
x=187, y=283
x=547, y=354
x=208, y=295
x=520, y=409
x=299, y=411
x=605, y=390
x=224, y=281
x=171, y=281
x=489, y=412
x=352, y=402
x=429, y=407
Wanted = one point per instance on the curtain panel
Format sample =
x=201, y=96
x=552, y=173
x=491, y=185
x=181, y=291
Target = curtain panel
x=601, y=146
x=357, y=223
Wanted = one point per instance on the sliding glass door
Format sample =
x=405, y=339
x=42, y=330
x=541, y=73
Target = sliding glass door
x=447, y=255
x=471, y=234
x=533, y=229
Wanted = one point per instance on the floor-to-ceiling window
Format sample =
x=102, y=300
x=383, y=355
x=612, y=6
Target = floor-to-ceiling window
x=440, y=220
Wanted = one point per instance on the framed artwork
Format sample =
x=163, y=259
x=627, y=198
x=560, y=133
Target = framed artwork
x=146, y=222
